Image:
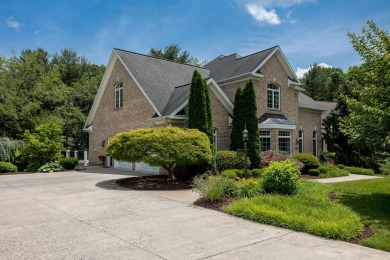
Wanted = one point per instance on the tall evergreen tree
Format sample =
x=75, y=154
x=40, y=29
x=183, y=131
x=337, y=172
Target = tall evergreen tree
x=197, y=112
x=210, y=131
x=252, y=124
x=238, y=122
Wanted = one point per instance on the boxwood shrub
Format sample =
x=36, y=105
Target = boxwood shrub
x=314, y=172
x=7, y=167
x=281, y=178
x=310, y=161
x=257, y=173
x=231, y=173
x=229, y=160
x=68, y=163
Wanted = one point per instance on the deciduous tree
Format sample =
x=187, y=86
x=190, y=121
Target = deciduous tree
x=167, y=147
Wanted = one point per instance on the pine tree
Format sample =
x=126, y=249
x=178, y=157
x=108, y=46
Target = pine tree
x=251, y=121
x=238, y=122
x=197, y=114
x=210, y=131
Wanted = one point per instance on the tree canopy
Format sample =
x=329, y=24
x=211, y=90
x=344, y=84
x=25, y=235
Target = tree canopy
x=38, y=87
x=368, y=123
x=173, y=52
x=166, y=146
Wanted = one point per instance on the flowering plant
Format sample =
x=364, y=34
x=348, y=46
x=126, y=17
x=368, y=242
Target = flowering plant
x=102, y=156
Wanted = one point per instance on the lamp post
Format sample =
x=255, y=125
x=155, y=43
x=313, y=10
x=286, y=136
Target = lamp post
x=245, y=139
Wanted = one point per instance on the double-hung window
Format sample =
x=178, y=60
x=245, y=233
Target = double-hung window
x=285, y=142
x=315, y=143
x=119, y=95
x=265, y=140
x=273, y=96
x=300, y=142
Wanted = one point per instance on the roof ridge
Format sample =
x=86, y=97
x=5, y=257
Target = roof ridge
x=141, y=54
x=258, y=52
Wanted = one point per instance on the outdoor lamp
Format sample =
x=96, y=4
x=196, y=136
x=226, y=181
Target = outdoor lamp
x=245, y=135
x=245, y=139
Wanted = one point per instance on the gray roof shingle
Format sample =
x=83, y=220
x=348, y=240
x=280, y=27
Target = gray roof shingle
x=179, y=96
x=305, y=101
x=278, y=119
x=159, y=77
x=224, y=67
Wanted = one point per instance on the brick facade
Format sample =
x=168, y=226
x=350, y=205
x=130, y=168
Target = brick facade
x=109, y=121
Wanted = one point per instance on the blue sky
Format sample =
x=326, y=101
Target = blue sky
x=308, y=31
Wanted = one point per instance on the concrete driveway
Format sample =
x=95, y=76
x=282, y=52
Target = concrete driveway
x=83, y=215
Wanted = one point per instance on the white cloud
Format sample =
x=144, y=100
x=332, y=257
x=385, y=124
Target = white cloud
x=262, y=15
x=301, y=71
x=36, y=32
x=13, y=24
x=263, y=12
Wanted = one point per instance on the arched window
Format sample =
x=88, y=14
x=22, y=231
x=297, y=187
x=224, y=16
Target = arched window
x=273, y=96
x=300, y=142
x=119, y=95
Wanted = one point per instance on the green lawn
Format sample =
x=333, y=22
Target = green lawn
x=309, y=211
x=370, y=199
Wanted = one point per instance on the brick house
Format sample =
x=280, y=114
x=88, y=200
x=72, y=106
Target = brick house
x=141, y=91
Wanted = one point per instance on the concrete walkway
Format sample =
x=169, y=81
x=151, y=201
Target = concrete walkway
x=350, y=177
x=83, y=215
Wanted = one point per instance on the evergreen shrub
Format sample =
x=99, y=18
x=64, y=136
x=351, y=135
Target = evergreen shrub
x=7, y=167
x=309, y=160
x=68, y=163
x=281, y=178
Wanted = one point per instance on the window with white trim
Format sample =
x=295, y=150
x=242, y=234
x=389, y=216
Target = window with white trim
x=265, y=140
x=273, y=96
x=119, y=95
x=285, y=142
x=315, y=143
x=300, y=141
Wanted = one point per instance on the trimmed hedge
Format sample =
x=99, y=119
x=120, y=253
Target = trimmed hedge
x=361, y=171
x=310, y=161
x=7, y=167
x=229, y=160
x=314, y=172
x=69, y=163
x=331, y=171
x=257, y=173
x=281, y=178
x=231, y=173
x=341, y=166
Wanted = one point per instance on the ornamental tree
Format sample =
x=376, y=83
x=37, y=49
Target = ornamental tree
x=238, y=122
x=166, y=147
x=42, y=146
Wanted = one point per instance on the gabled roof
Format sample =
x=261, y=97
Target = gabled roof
x=225, y=68
x=179, y=96
x=305, y=101
x=158, y=77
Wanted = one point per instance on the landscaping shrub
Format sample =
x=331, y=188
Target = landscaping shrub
x=341, y=166
x=356, y=170
x=273, y=156
x=257, y=173
x=231, y=174
x=68, y=163
x=229, y=160
x=238, y=173
x=7, y=167
x=310, y=210
x=214, y=188
x=248, y=188
x=331, y=171
x=248, y=172
x=314, y=172
x=50, y=167
x=281, y=177
x=309, y=160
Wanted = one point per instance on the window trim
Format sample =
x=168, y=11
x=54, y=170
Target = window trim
x=273, y=92
x=118, y=93
x=287, y=137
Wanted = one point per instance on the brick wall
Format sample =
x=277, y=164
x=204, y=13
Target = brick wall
x=109, y=121
x=221, y=122
x=310, y=121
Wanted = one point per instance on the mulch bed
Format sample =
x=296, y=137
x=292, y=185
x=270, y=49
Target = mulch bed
x=214, y=205
x=157, y=182
x=14, y=173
